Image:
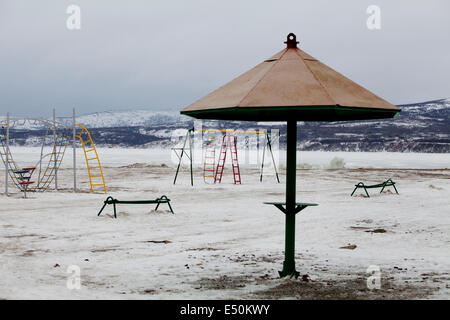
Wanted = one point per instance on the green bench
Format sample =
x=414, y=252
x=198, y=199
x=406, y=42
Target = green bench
x=387, y=183
x=158, y=201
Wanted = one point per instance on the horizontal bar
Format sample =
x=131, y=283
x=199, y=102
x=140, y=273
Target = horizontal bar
x=231, y=131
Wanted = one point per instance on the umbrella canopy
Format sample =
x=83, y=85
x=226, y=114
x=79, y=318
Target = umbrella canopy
x=291, y=86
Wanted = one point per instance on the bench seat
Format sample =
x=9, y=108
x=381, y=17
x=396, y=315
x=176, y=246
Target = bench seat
x=387, y=183
x=158, y=201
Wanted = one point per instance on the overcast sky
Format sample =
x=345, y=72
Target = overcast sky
x=164, y=55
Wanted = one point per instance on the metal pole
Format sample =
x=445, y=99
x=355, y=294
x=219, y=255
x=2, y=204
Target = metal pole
x=269, y=141
x=183, y=151
x=264, y=153
x=54, y=150
x=180, y=157
x=190, y=157
x=291, y=168
x=74, y=148
x=7, y=154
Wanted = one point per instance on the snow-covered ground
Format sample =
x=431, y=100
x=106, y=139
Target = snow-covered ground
x=223, y=242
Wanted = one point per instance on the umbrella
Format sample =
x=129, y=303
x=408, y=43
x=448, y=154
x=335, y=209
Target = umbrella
x=291, y=86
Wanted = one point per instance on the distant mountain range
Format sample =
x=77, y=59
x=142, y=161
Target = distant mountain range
x=420, y=127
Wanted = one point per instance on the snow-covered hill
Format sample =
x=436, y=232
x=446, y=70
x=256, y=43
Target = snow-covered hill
x=416, y=115
x=107, y=119
x=132, y=118
x=420, y=127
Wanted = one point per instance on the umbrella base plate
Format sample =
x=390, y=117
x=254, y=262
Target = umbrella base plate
x=292, y=274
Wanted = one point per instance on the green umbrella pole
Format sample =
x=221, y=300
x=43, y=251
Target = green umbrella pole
x=291, y=167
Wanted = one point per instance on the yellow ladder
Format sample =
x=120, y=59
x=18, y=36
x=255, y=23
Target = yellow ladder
x=94, y=167
x=209, y=164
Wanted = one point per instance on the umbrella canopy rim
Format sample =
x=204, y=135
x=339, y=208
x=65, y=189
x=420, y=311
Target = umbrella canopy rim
x=299, y=113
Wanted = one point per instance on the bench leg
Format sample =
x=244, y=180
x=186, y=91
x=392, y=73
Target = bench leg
x=170, y=207
x=395, y=188
x=366, y=192
x=115, y=213
x=168, y=203
x=353, y=191
x=104, y=205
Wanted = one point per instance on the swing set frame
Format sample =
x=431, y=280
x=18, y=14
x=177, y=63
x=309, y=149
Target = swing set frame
x=186, y=150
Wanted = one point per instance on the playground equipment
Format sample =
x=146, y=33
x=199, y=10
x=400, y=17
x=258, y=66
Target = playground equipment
x=213, y=173
x=49, y=173
x=158, y=201
x=57, y=135
x=93, y=165
x=209, y=165
x=387, y=183
x=24, y=178
x=228, y=142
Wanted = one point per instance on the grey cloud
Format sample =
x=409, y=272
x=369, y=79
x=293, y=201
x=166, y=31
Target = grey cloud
x=167, y=54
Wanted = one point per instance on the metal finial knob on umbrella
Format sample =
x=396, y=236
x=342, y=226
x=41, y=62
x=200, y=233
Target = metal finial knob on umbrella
x=291, y=41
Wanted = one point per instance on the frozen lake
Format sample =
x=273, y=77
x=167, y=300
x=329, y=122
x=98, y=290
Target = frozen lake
x=114, y=157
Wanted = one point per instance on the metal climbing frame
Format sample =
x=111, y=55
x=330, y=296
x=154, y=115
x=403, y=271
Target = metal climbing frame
x=49, y=174
x=21, y=177
x=95, y=171
x=48, y=171
x=7, y=158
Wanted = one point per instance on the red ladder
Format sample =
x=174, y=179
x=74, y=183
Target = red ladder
x=228, y=141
